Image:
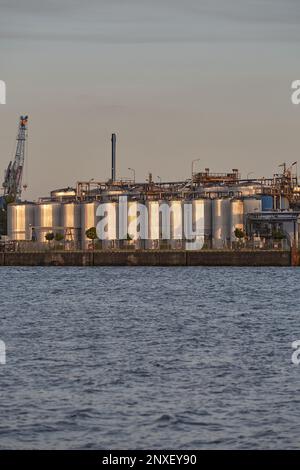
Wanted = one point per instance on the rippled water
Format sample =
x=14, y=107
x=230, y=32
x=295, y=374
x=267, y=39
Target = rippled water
x=177, y=358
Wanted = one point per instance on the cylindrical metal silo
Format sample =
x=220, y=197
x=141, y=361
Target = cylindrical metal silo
x=71, y=223
x=208, y=221
x=267, y=202
x=88, y=220
x=47, y=219
x=194, y=224
x=236, y=217
x=20, y=220
x=284, y=203
x=132, y=227
x=246, y=190
x=153, y=224
x=251, y=206
x=137, y=224
x=164, y=224
x=220, y=222
x=109, y=224
x=176, y=224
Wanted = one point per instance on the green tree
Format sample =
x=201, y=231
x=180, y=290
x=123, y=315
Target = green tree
x=277, y=234
x=49, y=237
x=9, y=199
x=91, y=234
x=238, y=233
x=59, y=237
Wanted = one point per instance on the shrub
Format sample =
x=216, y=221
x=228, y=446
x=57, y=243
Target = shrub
x=91, y=234
x=238, y=233
x=59, y=237
x=49, y=236
x=277, y=234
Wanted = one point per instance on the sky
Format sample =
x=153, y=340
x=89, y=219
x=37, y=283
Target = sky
x=175, y=80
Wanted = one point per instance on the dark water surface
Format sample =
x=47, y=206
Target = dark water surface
x=177, y=358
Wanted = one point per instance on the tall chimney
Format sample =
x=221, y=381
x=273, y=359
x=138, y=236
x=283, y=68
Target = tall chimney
x=113, y=157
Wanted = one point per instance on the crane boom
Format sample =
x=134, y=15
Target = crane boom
x=13, y=176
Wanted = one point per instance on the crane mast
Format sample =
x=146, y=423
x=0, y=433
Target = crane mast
x=13, y=176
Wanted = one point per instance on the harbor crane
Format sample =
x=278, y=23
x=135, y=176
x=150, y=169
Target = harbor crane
x=12, y=184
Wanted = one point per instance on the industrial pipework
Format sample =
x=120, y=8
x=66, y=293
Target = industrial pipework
x=113, y=157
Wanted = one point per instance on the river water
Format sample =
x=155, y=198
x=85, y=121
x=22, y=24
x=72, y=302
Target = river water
x=141, y=357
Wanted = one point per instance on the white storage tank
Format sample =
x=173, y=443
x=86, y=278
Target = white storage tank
x=153, y=224
x=20, y=220
x=284, y=203
x=132, y=228
x=176, y=224
x=246, y=190
x=203, y=208
x=88, y=220
x=47, y=219
x=137, y=223
x=236, y=217
x=71, y=223
x=220, y=223
x=208, y=219
x=197, y=223
x=251, y=205
x=108, y=224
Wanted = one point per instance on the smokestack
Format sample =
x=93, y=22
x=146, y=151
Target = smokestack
x=113, y=157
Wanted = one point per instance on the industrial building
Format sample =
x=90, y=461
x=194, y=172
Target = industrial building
x=234, y=212
x=72, y=215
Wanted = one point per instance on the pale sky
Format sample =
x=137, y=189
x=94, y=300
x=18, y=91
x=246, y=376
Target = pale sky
x=176, y=80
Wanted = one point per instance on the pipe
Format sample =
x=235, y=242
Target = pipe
x=113, y=157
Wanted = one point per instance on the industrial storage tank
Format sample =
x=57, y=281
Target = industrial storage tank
x=47, y=219
x=71, y=223
x=208, y=219
x=64, y=193
x=236, y=217
x=267, y=203
x=284, y=203
x=108, y=224
x=132, y=228
x=20, y=220
x=176, y=224
x=137, y=223
x=199, y=223
x=220, y=223
x=193, y=225
x=88, y=220
x=153, y=224
x=246, y=190
x=251, y=205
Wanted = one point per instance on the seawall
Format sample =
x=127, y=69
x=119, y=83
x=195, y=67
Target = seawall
x=148, y=258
